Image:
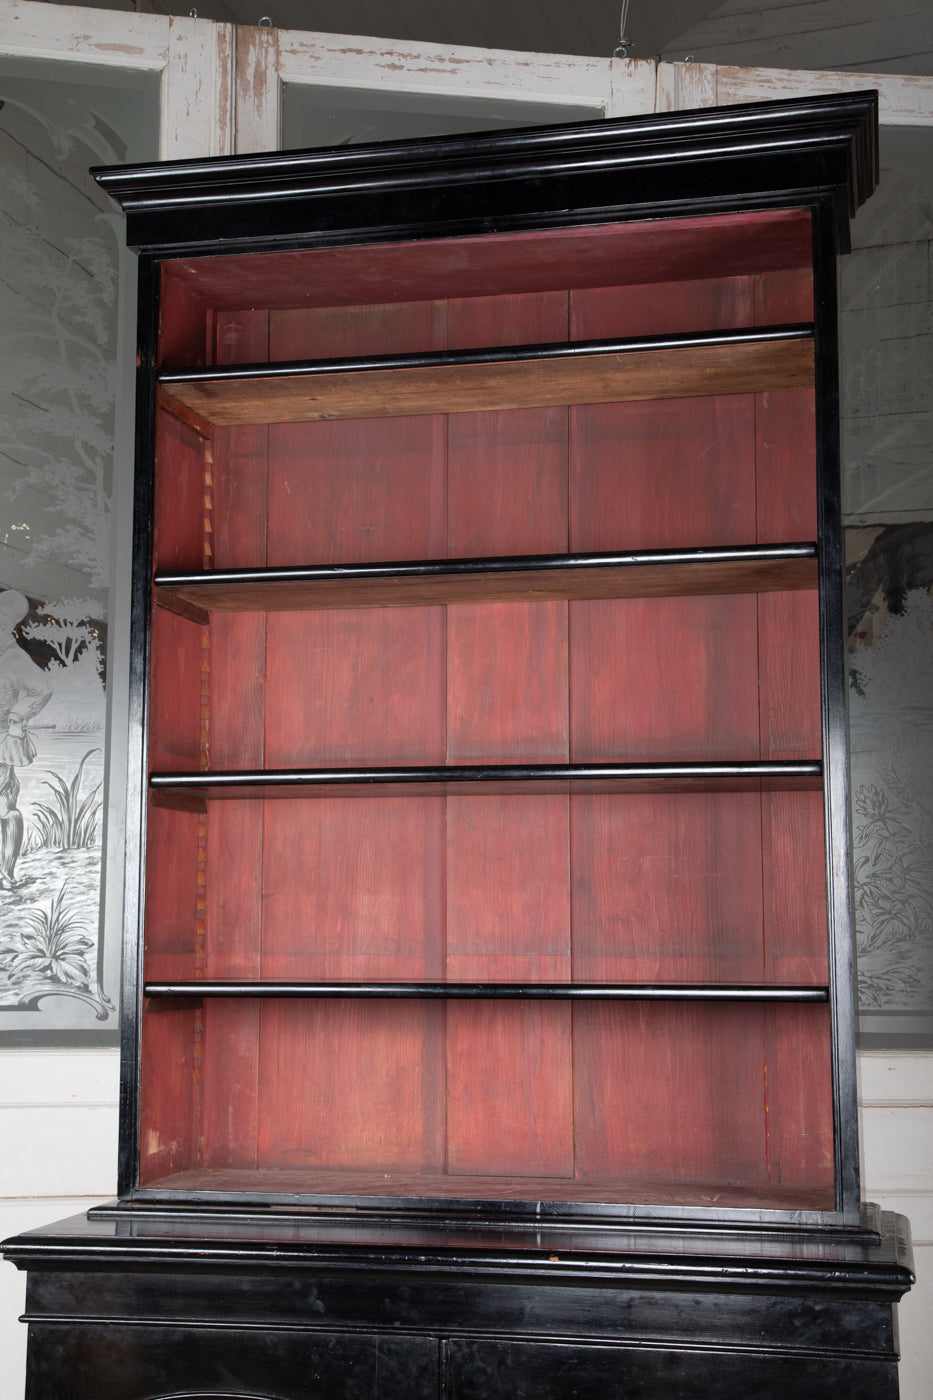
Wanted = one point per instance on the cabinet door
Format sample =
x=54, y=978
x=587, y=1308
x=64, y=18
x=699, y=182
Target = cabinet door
x=520, y=1371
x=143, y=1363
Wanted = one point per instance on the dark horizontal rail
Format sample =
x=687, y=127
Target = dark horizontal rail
x=486, y=991
x=462, y=776
x=499, y=564
x=496, y=354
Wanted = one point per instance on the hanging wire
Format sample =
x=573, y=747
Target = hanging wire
x=624, y=45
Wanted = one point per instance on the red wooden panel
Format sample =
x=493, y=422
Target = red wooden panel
x=667, y=888
x=508, y=898
x=786, y=465
x=507, y=482
x=664, y=678
x=800, y=1100
x=663, y=307
x=660, y=475
x=355, y=686
x=507, y=472
x=525, y=319
x=509, y=1095
x=170, y=1098
x=172, y=889
x=175, y=692
x=178, y=515
x=353, y=889
x=357, y=491
x=240, y=456
x=668, y=1093
x=794, y=880
x=507, y=682
x=789, y=630
x=230, y=1081
x=369, y=329
x=184, y=323
x=784, y=296
x=663, y=475
x=352, y=1085
x=508, y=890
x=594, y=256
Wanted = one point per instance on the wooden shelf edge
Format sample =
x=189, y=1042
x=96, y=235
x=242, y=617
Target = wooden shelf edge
x=746, y=569
x=731, y=366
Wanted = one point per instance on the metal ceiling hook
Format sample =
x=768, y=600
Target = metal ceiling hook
x=623, y=47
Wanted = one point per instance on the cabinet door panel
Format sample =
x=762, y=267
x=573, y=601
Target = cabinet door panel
x=518, y=1371
x=149, y=1362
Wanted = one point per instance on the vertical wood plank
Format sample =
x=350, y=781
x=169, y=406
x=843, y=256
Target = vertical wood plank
x=663, y=475
x=800, y=1101
x=793, y=836
x=508, y=878
x=352, y=1085
x=178, y=504
x=174, y=692
x=670, y=1093
x=169, y=1127
x=509, y=1097
x=667, y=889
x=183, y=325
x=353, y=890
x=355, y=686
x=237, y=486
x=171, y=894
x=664, y=678
x=357, y=491
x=659, y=308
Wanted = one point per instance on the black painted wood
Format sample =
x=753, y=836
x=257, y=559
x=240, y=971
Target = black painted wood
x=486, y=991
x=494, y=779
x=218, y=374
x=123, y=1307
x=756, y=155
x=383, y=1297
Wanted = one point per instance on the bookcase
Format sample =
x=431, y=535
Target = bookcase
x=488, y=892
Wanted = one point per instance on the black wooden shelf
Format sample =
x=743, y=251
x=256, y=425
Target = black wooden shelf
x=529, y=577
x=488, y=991
x=188, y=791
x=746, y=360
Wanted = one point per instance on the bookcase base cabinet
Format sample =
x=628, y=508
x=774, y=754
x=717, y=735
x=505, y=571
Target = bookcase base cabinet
x=667, y=1318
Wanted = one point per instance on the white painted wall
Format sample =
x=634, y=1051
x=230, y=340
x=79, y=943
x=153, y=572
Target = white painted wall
x=58, y=1124
x=58, y=1127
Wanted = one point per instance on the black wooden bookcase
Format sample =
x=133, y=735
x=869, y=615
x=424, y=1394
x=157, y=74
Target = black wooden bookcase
x=488, y=1001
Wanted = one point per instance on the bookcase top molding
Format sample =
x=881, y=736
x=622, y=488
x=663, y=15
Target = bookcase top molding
x=751, y=155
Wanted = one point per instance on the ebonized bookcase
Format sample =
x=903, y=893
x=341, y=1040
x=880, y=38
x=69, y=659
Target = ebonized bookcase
x=488, y=990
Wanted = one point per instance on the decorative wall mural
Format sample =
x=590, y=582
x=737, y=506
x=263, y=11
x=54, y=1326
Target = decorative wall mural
x=58, y=349
x=890, y=607
x=51, y=749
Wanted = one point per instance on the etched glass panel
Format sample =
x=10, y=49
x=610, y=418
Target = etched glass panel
x=62, y=313
x=887, y=421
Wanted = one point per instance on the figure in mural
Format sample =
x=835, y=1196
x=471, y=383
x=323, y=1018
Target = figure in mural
x=24, y=689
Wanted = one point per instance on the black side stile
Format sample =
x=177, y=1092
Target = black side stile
x=134, y=895
x=835, y=708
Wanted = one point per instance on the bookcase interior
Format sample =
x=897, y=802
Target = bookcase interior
x=657, y=1101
